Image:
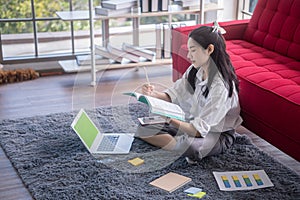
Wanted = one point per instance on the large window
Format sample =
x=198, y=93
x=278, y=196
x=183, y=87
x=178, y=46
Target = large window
x=30, y=30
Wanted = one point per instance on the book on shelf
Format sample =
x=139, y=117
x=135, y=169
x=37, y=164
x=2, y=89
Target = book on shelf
x=86, y=60
x=170, y=181
x=153, y=5
x=158, y=45
x=163, y=5
x=109, y=12
x=174, y=8
x=145, y=53
x=102, y=51
x=159, y=107
x=118, y=4
x=124, y=54
x=145, y=6
x=188, y=3
x=166, y=41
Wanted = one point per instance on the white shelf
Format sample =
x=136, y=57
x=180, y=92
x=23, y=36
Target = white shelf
x=73, y=15
x=71, y=66
x=84, y=14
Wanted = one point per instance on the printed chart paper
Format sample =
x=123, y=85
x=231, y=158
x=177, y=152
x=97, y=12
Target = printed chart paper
x=242, y=180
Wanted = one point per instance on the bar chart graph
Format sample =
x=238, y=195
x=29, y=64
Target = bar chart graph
x=242, y=180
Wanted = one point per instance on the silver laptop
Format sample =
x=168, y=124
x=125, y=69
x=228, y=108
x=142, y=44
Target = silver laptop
x=100, y=143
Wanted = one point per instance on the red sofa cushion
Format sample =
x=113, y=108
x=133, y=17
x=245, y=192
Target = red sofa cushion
x=275, y=25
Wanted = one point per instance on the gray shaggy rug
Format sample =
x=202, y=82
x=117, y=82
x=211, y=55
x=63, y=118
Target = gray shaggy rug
x=54, y=164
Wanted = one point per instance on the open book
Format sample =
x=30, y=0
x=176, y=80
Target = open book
x=160, y=107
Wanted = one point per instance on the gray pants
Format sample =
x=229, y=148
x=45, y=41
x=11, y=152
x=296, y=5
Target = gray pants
x=194, y=148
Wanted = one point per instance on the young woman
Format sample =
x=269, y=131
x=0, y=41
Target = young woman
x=207, y=93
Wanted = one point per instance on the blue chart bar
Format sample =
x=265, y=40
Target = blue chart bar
x=225, y=181
x=257, y=179
x=236, y=181
x=247, y=180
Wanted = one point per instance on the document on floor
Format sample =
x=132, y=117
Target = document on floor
x=242, y=180
x=170, y=181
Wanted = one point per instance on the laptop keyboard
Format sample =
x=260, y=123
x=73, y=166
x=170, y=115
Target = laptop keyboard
x=108, y=143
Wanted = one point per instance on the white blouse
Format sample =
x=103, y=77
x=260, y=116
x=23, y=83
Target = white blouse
x=215, y=113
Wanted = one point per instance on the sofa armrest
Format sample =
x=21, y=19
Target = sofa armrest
x=234, y=29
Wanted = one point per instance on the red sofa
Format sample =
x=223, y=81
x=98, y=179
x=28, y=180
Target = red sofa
x=265, y=52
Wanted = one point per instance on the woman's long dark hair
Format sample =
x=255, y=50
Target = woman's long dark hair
x=205, y=36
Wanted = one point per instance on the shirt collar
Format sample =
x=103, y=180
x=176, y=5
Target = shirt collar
x=199, y=76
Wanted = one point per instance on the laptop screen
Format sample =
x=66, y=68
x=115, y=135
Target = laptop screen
x=86, y=129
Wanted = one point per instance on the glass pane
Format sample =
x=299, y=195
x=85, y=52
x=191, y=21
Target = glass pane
x=81, y=25
x=82, y=40
x=81, y=4
x=252, y=5
x=84, y=4
x=19, y=43
x=47, y=8
x=15, y=9
x=15, y=27
x=54, y=40
x=82, y=35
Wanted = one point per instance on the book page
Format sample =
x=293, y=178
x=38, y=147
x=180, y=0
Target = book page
x=133, y=94
x=160, y=107
x=165, y=108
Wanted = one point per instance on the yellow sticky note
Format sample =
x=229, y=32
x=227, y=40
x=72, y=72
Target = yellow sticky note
x=136, y=161
x=198, y=195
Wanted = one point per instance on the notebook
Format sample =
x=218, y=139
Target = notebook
x=97, y=142
x=170, y=181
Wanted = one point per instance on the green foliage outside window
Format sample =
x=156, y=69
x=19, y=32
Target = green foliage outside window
x=21, y=9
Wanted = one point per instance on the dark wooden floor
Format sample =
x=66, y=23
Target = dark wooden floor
x=67, y=92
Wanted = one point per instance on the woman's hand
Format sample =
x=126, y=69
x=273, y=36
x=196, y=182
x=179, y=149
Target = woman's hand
x=148, y=89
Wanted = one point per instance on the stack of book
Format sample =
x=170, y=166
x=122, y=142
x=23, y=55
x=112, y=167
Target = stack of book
x=115, y=7
x=124, y=54
x=127, y=54
x=102, y=51
x=141, y=52
x=188, y=4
